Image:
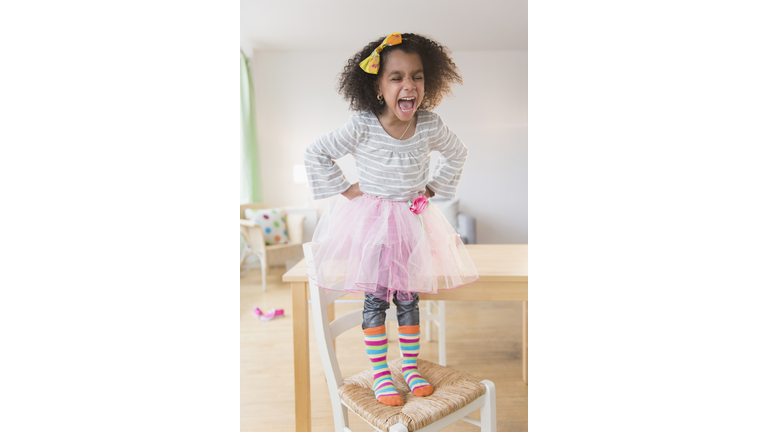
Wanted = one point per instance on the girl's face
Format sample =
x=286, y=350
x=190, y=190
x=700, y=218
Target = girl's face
x=401, y=83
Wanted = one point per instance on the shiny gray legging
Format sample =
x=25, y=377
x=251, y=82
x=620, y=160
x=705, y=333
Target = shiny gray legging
x=375, y=311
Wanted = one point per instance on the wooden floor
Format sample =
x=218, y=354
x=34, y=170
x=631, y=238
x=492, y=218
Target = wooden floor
x=483, y=338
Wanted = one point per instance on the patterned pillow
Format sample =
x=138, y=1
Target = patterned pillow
x=272, y=222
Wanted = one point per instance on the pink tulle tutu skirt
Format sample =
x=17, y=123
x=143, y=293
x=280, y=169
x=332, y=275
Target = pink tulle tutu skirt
x=370, y=245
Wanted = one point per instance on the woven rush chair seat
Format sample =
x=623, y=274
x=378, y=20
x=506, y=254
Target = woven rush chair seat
x=453, y=391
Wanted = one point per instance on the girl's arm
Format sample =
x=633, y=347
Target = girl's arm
x=353, y=192
x=325, y=177
x=450, y=164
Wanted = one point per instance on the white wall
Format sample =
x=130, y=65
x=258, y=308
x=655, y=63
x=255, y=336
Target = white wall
x=296, y=102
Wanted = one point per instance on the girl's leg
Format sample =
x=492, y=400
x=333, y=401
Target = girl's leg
x=375, y=330
x=375, y=309
x=409, y=333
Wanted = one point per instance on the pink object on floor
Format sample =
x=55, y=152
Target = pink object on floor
x=273, y=313
x=257, y=312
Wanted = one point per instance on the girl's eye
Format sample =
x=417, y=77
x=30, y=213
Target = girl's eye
x=419, y=78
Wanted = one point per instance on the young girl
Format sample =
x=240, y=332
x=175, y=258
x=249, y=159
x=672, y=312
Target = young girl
x=383, y=238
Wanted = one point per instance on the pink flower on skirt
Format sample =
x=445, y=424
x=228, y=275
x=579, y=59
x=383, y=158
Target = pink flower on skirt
x=420, y=204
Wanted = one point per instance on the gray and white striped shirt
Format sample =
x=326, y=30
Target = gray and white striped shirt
x=388, y=168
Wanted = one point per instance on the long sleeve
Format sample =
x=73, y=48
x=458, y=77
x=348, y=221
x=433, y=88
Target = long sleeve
x=453, y=154
x=325, y=177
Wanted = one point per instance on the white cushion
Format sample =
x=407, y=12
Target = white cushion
x=272, y=222
x=450, y=209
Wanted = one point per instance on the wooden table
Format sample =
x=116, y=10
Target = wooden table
x=503, y=271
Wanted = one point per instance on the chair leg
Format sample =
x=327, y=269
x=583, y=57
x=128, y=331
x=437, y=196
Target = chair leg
x=340, y=416
x=488, y=411
x=264, y=269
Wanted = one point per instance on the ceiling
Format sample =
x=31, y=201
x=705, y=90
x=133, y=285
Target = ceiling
x=332, y=25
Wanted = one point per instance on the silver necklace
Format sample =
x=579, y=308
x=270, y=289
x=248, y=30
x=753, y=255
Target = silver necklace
x=406, y=128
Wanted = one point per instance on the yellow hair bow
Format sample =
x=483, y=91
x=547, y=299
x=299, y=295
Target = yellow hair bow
x=371, y=63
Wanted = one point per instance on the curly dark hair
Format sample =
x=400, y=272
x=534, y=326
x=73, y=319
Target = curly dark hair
x=357, y=86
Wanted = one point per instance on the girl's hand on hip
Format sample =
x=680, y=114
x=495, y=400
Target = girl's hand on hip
x=353, y=192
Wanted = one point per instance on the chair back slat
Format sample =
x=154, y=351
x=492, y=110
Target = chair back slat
x=346, y=322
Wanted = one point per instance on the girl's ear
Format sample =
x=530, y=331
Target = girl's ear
x=377, y=84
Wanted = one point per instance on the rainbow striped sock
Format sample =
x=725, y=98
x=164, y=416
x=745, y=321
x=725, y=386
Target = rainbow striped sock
x=409, y=345
x=376, y=348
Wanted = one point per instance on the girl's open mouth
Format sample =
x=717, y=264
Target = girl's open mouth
x=407, y=105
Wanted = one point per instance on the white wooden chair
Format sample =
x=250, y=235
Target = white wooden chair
x=439, y=313
x=456, y=394
x=255, y=244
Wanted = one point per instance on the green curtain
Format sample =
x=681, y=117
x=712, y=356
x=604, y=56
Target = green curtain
x=250, y=163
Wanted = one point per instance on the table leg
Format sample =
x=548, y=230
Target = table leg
x=525, y=342
x=441, y=333
x=301, y=357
